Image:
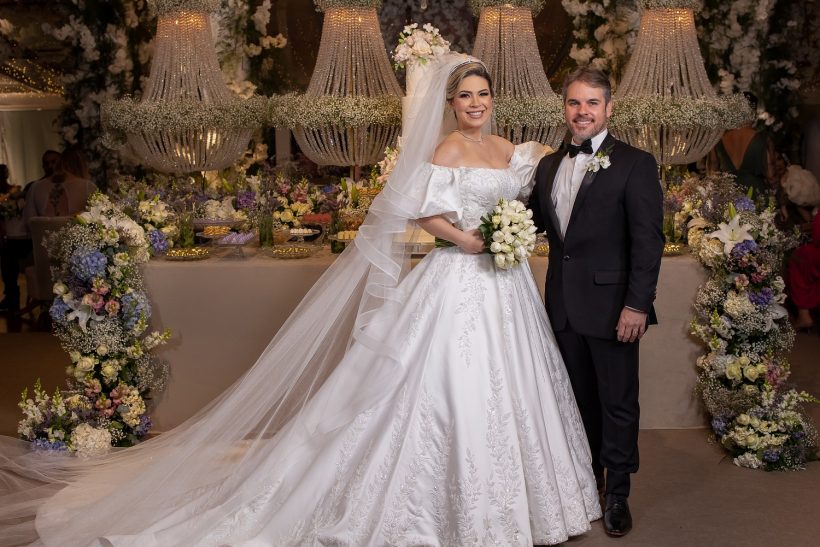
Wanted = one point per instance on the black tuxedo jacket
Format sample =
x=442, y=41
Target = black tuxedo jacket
x=611, y=254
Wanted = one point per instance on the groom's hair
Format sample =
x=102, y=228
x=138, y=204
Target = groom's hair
x=593, y=77
x=464, y=70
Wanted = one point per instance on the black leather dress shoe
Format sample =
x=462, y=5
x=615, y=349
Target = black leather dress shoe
x=617, y=518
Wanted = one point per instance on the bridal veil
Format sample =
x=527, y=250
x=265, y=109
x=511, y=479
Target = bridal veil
x=207, y=462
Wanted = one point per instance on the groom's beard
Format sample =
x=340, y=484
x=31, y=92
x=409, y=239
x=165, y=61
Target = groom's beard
x=580, y=134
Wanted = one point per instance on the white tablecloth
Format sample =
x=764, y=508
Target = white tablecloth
x=224, y=311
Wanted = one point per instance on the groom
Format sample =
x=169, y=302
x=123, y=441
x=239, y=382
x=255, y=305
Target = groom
x=600, y=202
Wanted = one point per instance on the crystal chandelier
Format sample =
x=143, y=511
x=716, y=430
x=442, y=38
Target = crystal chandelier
x=665, y=103
x=188, y=120
x=527, y=108
x=352, y=108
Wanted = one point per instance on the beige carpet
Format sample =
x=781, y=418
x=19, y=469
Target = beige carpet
x=686, y=493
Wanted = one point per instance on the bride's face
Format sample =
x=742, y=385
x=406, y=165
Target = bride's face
x=473, y=102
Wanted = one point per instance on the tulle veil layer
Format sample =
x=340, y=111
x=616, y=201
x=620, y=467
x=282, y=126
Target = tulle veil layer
x=207, y=462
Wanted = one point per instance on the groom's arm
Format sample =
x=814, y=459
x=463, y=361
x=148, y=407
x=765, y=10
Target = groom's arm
x=644, y=215
x=535, y=197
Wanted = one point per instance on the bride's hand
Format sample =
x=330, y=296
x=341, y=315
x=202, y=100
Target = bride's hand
x=472, y=242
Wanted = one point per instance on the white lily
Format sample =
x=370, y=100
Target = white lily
x=731, y=233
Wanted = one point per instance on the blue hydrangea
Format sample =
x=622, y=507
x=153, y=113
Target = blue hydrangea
x=59, y=309
x=771, y=455
x=743, y=248
x=48, y=446
x=87, y=265
x=133, y=305
x=158, y=241
x=719, y=426
x=144, y=426
x=762, y=298
x=744, y=204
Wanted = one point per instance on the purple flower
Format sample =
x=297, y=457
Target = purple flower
x=744, y=204
x=87, y=265
x=59, y=309
x=743, y=248
x=246, y=200
x=47, y=446
x=771, y=455
x=762, y=298
x=158, y=241
x=144, y=426
x=719, y=425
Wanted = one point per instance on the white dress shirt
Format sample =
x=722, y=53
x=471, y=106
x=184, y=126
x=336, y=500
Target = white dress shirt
x=568, y=180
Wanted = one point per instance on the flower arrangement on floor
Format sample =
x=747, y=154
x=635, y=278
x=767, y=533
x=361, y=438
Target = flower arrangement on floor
x=739, y=316
x=101, y=315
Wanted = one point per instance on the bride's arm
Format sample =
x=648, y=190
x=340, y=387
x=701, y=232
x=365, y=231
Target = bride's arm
x=470, y=241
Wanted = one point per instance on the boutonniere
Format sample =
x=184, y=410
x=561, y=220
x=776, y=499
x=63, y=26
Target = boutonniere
x=599, y=161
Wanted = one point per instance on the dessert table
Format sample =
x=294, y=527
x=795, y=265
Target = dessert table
x=223, y=311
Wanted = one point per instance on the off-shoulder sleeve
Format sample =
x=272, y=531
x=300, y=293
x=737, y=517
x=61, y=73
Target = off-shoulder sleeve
x=524, y=161
x=441, y=196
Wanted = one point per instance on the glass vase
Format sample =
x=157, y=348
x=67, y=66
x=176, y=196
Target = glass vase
x=266, y=230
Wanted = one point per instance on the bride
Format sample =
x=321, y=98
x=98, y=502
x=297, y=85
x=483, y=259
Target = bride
x=395, y=407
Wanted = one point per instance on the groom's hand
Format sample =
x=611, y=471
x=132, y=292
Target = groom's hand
x=631, y=325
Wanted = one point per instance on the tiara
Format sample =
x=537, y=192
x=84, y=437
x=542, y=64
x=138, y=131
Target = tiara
x=467, y=59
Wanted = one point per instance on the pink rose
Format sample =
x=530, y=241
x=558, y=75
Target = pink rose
x=94, y=300
x=101, y=287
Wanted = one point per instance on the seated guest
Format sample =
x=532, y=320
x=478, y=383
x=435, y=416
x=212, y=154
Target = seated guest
x=65, y=192
x=804, y=277
x=16, y=247
x=746, y=153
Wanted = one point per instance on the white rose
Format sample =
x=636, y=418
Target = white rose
x=85, y=364
x=109, y=371
x=102, y=350
x=751, y=373
x=500, y=261
x=495, y=247
x=60, y=288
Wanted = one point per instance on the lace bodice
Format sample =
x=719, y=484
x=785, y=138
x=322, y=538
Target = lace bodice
x=463, y=195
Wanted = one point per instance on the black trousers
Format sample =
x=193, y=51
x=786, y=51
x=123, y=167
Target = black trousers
x=604, y=377
x=12, y=253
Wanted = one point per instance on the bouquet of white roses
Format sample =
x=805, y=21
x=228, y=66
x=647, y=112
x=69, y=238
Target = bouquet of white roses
x=509, y=232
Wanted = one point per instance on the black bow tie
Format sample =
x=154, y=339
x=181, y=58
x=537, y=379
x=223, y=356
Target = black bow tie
x=584, y=148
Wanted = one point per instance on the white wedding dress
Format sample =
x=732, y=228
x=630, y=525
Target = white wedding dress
x=472, y=438
x=481, y=443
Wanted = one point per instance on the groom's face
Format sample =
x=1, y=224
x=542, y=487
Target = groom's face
x=586, y=111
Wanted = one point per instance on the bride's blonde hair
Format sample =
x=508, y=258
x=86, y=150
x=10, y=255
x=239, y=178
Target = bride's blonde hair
x=472, y=68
